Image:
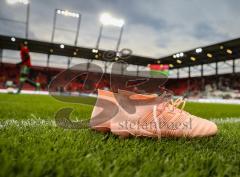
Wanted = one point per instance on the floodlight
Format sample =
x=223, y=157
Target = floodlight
x=94, y=50
x=67, y=13
x=179, y=61
x=209, y=55
x=118, y=54
x=193, y=58
x=199, y=50
x=229, y=51
x=25, y=2
x=171, y=65
x=107, y=19
x=13, y=39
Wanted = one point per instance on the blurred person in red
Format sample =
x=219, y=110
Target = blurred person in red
x=25, y=65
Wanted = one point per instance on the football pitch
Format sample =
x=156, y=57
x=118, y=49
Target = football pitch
x=32, y=145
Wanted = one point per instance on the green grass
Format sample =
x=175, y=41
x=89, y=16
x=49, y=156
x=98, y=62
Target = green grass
x=52, y=151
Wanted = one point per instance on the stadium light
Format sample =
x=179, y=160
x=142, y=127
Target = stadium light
x=193, y=58
x=94, y=50
x=62, y=46
x=118, y=54
x=229, y=51
x=209, y=55
x=179, y=61
x=107, y=20
x=67, y=14
x=199, y=50
x=27, y=3
x=181, y=54
x=178, y=55
x=13, y=39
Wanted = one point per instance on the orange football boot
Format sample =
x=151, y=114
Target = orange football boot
x=126, y=113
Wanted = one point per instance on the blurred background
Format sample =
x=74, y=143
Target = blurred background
x=196, y=43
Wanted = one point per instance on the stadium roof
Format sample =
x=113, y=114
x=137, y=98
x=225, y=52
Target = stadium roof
x=12, y=43
x=209, y=54
x=213, y=53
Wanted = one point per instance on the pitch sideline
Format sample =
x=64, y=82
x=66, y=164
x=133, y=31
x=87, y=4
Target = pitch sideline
x=44, y=122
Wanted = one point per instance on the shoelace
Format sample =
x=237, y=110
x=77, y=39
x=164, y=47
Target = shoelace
x=173, y=104
x=177, y=103
x=155, y=119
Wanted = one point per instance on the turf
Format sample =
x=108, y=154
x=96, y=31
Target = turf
x=51, y=151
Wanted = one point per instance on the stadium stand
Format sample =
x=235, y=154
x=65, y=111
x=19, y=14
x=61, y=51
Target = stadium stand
x=214, y=85
x=198, y=87
x=207, y=87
